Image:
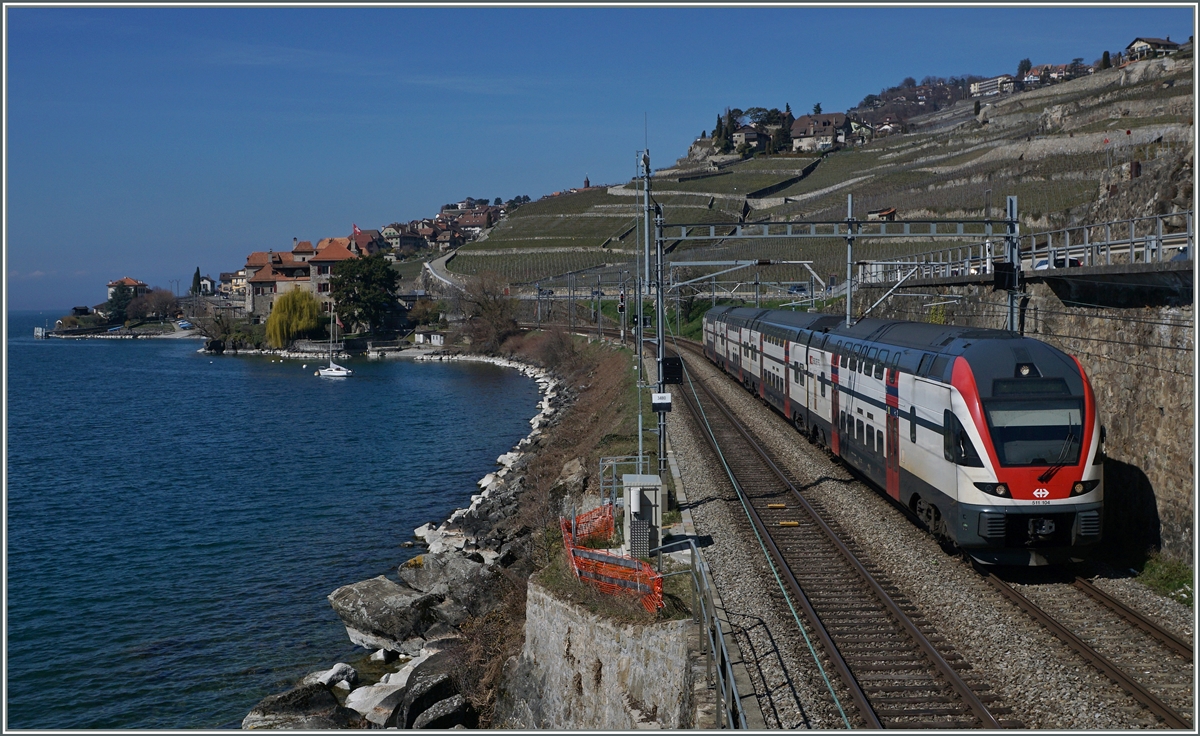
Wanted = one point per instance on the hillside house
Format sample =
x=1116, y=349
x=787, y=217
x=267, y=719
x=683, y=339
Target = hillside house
x=1002, y=84
x=208, y=285
x=229, y=283
x=366, y=242
x=139, y=288
x=1150, y=48
x=820, y=132
x=749, y=135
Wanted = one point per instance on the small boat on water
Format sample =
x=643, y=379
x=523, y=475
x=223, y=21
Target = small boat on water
x=333, y=370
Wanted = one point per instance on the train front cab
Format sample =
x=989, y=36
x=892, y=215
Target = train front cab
x=1021, y=453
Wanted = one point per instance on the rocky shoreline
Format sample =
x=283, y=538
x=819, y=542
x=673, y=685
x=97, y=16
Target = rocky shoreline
x=413, y=625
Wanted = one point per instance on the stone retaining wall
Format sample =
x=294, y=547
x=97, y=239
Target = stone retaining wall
x=580, y=671
x=1140, y=362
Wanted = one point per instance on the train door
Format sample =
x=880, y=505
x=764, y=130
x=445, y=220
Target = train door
x=892, y=433
x=836, y=420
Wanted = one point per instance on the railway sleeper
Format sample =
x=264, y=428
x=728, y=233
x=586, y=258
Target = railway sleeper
x=901, y=712
x=958, y=725
x=917, y=688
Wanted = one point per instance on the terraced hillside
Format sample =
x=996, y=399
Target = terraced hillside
x=1067, y=152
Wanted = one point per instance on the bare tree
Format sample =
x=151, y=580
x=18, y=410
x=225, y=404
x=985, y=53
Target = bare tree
x=491, y=312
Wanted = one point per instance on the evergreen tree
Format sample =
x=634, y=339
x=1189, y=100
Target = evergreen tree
x=977, y=107
x=817, y=109
x=1023, y=67
x=293, y=314
x=118, y=303
x=364, y=289
x=787, y=107
x=196, y=281
x=1105, y=61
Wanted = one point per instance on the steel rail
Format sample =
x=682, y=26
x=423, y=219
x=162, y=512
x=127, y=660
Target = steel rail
x=1099, y=661
x=964, y=691
x=1170, y=639
x=831, y=649
x=953, y=678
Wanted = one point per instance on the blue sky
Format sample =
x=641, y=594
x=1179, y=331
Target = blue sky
x=149, y=141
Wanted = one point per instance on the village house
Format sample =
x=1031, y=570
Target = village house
x=208, y=285
x=139, y=288
x=366, y=242
x=274, y=273
x=233, y=283
x=322, y=269
x=820, y=132
x=749, y=135
x=1149, y=48
x=1002, y=84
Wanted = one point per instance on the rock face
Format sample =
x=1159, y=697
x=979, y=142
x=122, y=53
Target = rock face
x=308, y=707
x=380, y=614
x=578, y=670
x=466, y=583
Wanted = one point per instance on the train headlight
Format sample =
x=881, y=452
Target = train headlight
x=994, y=489
x=1084, y=486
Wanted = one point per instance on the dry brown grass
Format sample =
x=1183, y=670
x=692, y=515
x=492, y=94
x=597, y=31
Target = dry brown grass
x=601, y=378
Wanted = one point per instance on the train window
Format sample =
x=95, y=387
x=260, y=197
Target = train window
x=926, y=361
x=858, y=430
x=822, y=384
x=912, y=424
x=883, y=356
x=854, y=357
x=842, y=421
x=939, y=367
x=872, y=354
x=956, y=444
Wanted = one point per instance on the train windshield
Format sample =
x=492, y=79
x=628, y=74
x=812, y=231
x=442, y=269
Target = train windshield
x=1036, y=432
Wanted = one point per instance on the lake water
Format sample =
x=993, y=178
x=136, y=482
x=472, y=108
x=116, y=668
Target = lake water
x=176, y=520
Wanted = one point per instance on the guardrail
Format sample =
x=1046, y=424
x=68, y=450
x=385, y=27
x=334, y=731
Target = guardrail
x=1136, y=240
x=704, y=612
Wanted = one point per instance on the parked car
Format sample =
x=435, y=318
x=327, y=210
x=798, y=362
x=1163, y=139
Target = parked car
x=797, y=289
x=185, y=325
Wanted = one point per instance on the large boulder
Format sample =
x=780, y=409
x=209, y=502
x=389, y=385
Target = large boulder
x=448, y=713
x=572, y=479
x=308, y=707
x=376, y=702
x=430, y=682
x=470, y=584
x=340, y=673
x=380, y=614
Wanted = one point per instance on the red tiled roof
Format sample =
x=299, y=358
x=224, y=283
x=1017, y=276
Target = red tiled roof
x=269, y=274
x=304, y=246
x=126, y=281
x=333, y=252
x=323, y=243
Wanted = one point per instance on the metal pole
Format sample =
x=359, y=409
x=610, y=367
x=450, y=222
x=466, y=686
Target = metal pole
x=1012, y=240
x=660, y=318
x=849, y=252
x=646, y=210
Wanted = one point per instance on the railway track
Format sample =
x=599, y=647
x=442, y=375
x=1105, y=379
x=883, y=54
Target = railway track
x=1154, y=665
x=898, y=671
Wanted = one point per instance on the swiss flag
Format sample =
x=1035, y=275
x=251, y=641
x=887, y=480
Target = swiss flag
x=339, y=321
x=356, y=230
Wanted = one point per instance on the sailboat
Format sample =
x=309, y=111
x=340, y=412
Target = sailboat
x=333, y=370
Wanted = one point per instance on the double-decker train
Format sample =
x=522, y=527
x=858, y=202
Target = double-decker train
x=992, y=439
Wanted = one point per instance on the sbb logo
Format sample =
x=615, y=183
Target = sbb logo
x=1041, y=493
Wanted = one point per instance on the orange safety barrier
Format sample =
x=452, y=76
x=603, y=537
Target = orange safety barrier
x=594, y=524
x=611, y=574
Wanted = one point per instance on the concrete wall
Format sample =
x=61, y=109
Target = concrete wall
x=579, y=671
x=1141, y=364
